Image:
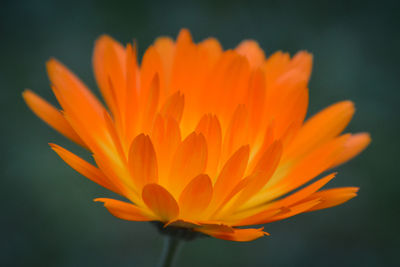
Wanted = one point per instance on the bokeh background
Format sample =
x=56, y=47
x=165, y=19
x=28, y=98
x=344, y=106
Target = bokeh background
x=48, y=217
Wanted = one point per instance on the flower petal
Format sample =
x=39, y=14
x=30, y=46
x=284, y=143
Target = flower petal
x=142, y=161
x=125, y=211
x=85, y=168
x=160, y=201
x=333, y=197
x=109, y=59
x=239, y=235
x=210, y=127
x=231, y=174
x=195, y=197
x=263, y=213
x=322, y=127
x=76, y=97
x=166, y=137
x=302, y=62
x=353, y=146
x=294, y=210
x=51, y=116
x=165, y=47
x=149, y=100
x=237, y=132
x=288, y=178
x=190, y=159
x=173, y=107
x=132, y=101
x=261, y=174
x=252, y=51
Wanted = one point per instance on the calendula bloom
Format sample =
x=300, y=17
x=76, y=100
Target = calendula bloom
x=202, y=138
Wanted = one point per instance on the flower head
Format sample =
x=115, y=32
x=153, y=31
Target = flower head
x=202, y=138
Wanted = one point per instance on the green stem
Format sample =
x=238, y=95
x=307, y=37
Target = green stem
x=170, y=250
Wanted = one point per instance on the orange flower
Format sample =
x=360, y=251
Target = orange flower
x=202, y=138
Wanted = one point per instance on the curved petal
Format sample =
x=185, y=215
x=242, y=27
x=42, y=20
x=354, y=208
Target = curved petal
x=160, y=201
x=252, y=51
x=333, y=197
x=51, y=116
x=210, y=127
x=195, y=197
x=190, y=159
x=85, y=168
x=173, y=107
x=142, y=161
x=231, y=174
x=232, y=234
x=109, y=61
x=353, y=146
x=125, y=211
x=322, y=127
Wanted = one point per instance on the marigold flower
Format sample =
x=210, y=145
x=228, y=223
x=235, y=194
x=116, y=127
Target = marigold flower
x=202, y=138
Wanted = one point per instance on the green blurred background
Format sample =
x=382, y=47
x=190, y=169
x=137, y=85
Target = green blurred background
x=48, y=216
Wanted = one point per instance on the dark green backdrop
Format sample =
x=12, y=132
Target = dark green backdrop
x=47, y=214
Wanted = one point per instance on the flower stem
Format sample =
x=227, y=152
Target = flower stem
x=170, y=250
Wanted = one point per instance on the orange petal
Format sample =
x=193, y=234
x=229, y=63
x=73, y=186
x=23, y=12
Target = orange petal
x=149, y=100
x=121, y=179
x=231, y=173
x=50, y=115
x=294, y=210
x=173, y=107
x=258, y=218
x=333, y=197
x=85, y=168
x=152, y=66
x=166, y=137
x=210, y=127
x=265, y=140
x=165, y=47
x=219, y=209
x=291, y=177
x=190, y=160
x=287, y=101
x=237, y=132
x=196, y=196
x=353, y=146
x=275, y=65
x=213, y=48
x=160, y=201
x=255, y=103
x=183, y=65
x=261, y=174
x=125, y=211
x=321, y=128
x=132, y=105
x=252, y=51
x=302, y=193
x=109, y=61
x=236, y=234
x=76, y=99
x=142, y=161
x=311, y=166
x=302, y=62
x=269, y=210
x=115, y=138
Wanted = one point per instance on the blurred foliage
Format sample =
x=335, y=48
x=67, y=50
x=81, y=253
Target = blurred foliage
x=48, y=217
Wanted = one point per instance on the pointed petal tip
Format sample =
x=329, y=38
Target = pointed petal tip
x=53, y=146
